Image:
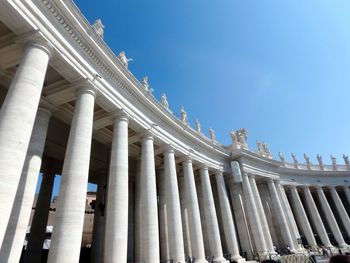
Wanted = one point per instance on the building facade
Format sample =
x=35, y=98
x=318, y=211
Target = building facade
x=70, y=106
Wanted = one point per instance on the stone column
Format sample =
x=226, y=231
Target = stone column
x=330, y=218
x=194, y=219
x=138, y=216
x=259, y=206
x=289, y=215
x=176, y=244
x=11, y=248
x=41, y=214
x=97, y=246
x=227, y=218
x=279, y=213
x=69, y=218
x=116, y=235
x=315, y=217
x=253, y=216
x=149, y=209
x=163, y=216
x=302, y=217
x=210, y=217
x=341, y=209
x=347, y=192
x=17, y=118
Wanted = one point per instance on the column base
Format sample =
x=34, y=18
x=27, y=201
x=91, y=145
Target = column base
x=200, y=261
x=220, y=260
x=238, y=259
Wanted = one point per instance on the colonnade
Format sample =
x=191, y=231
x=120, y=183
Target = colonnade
x=161, y=214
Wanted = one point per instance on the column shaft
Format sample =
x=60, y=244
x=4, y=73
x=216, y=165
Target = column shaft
x=341, y=209
x=315, y=217
x=116, y=235
x=149, y=209
x=194, y=219
x=11, y=248
x=210, y=217
x=227, y=218
x=176, y=244
x=163, y=217
x=347, y=193
x=69, y=218
x=138, y=216
x=17, y=118
x=254, y=217
x=330, y=218
x=38, y=228
x=259, y=206
x=279, y=213
x=302, y=217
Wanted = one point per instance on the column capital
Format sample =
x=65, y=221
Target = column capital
x=147, y=135
x=203, y=167
x=121, y=114
x=187, y=160
x=168, y=148
x=87, y=87
x=35, y=39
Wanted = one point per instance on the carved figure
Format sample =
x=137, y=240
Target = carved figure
x=346, y=159
x=259, y=146
x=198, y=126
x=144, y=83
x=123, y=59
x=266, y=148
x=212, y=134
x=234, y=137
x=183, y=115
x=334, y=160
x=242, y=136
x=294, y=158
x=281, y=155
x=307, y=159
x=319, y=159
x=165, y=102
x=98, y=27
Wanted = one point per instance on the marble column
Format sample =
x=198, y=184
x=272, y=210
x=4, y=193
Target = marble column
x=194, y=219
x=11, y=248
x=340, y=209
x=347, y=193
x=253, y=216
x=97, y=246
x=69, y=218
x=116, y=235
x=149, y=209
x=330, y=218
x=210, y=217
x=302, y=217
x=138, y=216
x=176, y=244
x=41, y=214
x=17, y=118
x=289, y=215
x=281, y=217
x=163, y=216
x=315, y=217
x=227, y=218
x=259, y=206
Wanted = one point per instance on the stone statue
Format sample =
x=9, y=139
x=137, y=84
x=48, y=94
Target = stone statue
x=98, y=27
x=165, y=102
x=183, y=115
x=266, y=148
x=281, y=155
x=346, y=160
x=144, y=83
x=320, y=162
x=212, y=135
x=294, y=158
x=198, y=126
x=334, y=162
x=242, y=137
x=123, y=59
x=234, y=137
x=259, y=146
x=307, y=159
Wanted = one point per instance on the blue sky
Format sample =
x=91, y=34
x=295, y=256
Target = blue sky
x=281, y=69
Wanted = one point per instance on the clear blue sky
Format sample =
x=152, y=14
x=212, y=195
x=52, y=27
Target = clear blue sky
x=281, y=69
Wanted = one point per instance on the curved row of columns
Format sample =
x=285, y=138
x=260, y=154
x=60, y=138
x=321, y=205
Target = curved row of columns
x=23, y=131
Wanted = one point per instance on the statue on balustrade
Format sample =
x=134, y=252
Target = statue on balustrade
x=320, y=162
x=334, y=162
x=307, y=160
x=266, y=149
x=198, y=126
x=295, y=161
x=259, y=146
x=242, y=137
x=234, y=138
x=183, y=115
x=144, y=83
x=123, y=59
x=212, y=135
x=346, y=160
x=98, y=27
x=165, y=102
x=281, y=155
